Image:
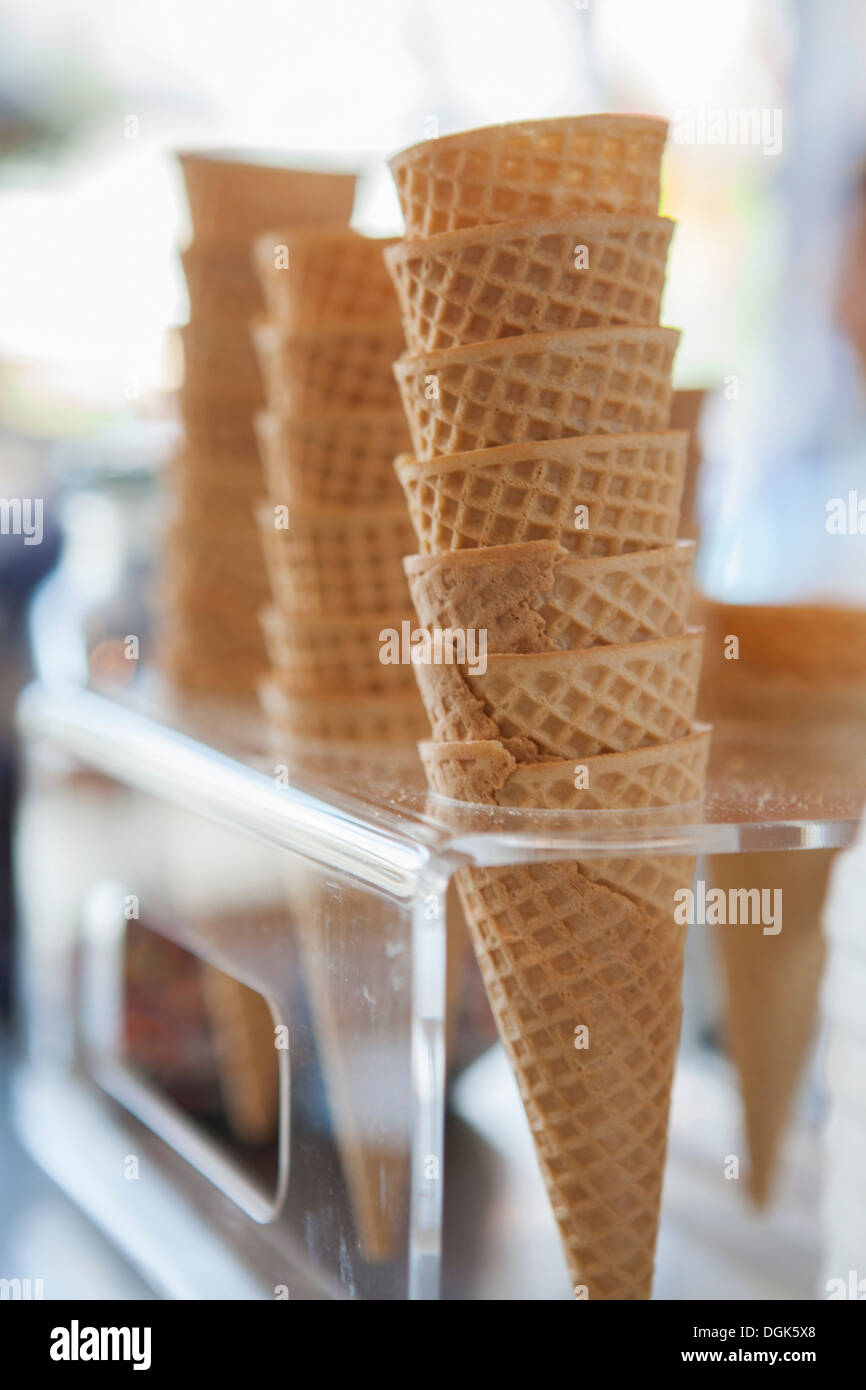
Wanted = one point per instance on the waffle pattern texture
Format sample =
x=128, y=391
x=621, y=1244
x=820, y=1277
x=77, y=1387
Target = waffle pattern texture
x=544, y=488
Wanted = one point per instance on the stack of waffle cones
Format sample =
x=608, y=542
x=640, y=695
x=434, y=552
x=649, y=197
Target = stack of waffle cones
x=544, y=489
x=333, y=525
x=333, y=529
x=214, y=580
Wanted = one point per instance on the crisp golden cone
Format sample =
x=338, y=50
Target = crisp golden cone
x=329, y=370
x=334, y=277
x=222, y=362
x=232, y=198
x=629, y=485
x=536, y=597
x=338, y=562
x=772, y=985
x=557, y=953
x=333, y=460
x=221, y=285
x=501, y=281
x=387, y=719
x=539, y=386
x=569, y=704
x=664, y=774
x=244, y=1040
x=333, y=655
x=508, y=173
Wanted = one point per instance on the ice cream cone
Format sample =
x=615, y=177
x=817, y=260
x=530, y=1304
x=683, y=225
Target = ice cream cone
x=222, y=362
x=595, y=495
x=772, y=984
x=507, y=173
x=338, y=562
x=569, y=704
x=333, y=655
x=218, y=425
x=558, y=954
x=538, y=386
x=232, y=198
x=663, y=774
x=546, y=276
x=244, y=1040
x=333, y=460
x=536, y=597
x=221, y=284
x=324, y=277
x=329, y=370
x=370, y=719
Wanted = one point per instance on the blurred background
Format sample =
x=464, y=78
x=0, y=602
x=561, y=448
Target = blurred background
x=767, y=275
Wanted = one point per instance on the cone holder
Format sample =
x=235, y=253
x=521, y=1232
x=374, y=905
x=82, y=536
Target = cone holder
x=235, y=850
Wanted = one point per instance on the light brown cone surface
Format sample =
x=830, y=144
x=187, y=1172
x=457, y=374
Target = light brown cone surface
x=333, y=460
x=541, y=386
x=508, y=173
x=772, y=988
x=539, y=277
x=338, y=562
x=595, y=495
x=233, y=200
x=334, y=277
x=396, y=718
x=569, y=704
x=558, y=952
x=329, y=370
x=535, y=597
x=333, y=655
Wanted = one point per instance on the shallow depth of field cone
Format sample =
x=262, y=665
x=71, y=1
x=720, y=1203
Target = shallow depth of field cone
x=328, y=370
x=569, y=704
x=387, y=719
x=358, y=1015
x=539, y=277
x=224, y=363
x=232, y=198
x=772, y=989
x=536, y=597
x=338, y=562
x=221, y=285
x=665, y=774
x=333, y=655
x=333, y=460
x=244, y=1040
x=334, y=277
x=218, y=424
x=507, y=173
x=595, y=495
x=557, y=953
x=540, y=386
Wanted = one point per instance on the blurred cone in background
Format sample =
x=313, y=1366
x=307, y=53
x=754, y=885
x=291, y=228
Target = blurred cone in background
x=537, y=388
x=798, y=680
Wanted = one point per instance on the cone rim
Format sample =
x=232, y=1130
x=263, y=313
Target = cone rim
x=490, y=134
x=492, y=232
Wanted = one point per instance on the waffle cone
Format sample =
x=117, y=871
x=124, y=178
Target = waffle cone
x=333, y=655
x=336, y=562
x=330, y=370
x=222, y=361
x=535, y=597
x=244, y=1040
x=558, y=952
x=218, y=424
x=334, y=277
x=369, y=719
x=569, y=704
x=335, y=460
x=629, y=485
x=232, y=199
x=221, y=285
x=772, y=985
x=502, y=281
x=540, y=386
x=508, y=173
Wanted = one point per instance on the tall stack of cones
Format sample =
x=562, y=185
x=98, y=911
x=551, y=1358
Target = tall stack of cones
x=214, y=580
x=333, y=526
x=544, y=489
x=333, y=529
